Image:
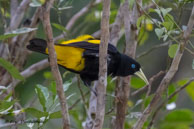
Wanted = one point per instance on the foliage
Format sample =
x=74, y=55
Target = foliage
x=11, y=69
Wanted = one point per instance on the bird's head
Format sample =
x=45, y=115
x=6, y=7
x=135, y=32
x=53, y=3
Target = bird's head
x=129, y=66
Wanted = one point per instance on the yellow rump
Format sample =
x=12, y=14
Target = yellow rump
x=69, y=57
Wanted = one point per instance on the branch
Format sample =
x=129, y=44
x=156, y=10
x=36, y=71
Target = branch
x=13, y=7
x=96, y=112
x=53, y=62
x=19, y=14
x=123, y=89
x=168, y=77
x=102, y=78
x=116, y=27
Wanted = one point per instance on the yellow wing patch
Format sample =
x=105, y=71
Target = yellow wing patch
x=69, y=57
x=87, y=38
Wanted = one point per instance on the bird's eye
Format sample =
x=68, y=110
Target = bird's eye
x=133, y=66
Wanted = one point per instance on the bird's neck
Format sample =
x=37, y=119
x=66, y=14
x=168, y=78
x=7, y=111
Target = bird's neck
x=121, y=69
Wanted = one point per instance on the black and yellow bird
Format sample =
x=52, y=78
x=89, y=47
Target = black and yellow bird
x=81, y=55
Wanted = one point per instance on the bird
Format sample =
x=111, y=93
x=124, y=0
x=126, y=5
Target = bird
x=81, y=56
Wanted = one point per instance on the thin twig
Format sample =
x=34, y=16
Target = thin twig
x=77, y=101
x=188, y=50
x=82, y=95
x=153, y=78
x=153, y=48
x=116, y=27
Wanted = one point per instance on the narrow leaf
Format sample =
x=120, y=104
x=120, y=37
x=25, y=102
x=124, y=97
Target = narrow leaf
x=5, y=106
x=35, y=112
x=43, y=95
x=59, y=27
x=22, y=30
x=190, y=90
x=16, y=32
x=11, y=69
x=35, y=3
x=65, y=7
x=171, y=89
x=55, y=115
x=6, y=36
x=66, y=86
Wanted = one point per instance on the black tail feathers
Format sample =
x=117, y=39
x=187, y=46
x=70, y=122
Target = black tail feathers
x=38, y=45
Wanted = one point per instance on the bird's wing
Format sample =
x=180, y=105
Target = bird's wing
x=87, y=42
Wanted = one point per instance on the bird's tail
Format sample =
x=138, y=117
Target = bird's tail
x=38, y=45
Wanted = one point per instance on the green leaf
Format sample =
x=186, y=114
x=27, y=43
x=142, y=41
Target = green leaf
x=168, y=25
x=11, y=69
x=22, y=30
x=35, y=3
x=139, y=21
x=55, y=115
x=110, y=84
x=158, y=11
x=165, y=37
x=53, y=90
x=167, y=125
x=151, y=10
x=184, y=116
x=53, y=87
x=171, y=89
x=159, y=32
x=59, y=27
x=190, y=90
x=148, y=100
x=35, y=112
x=172, y=50
x=64, y=7
x=66, y=86
x=6, y=36
x=143, y=36
x=165, y=11
x=182, y=82
x=5, y=106
x=43, y=95
x=48, y=75
x=16, y=32
x=137, y=83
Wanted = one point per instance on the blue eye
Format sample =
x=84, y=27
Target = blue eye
x=133, y=66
